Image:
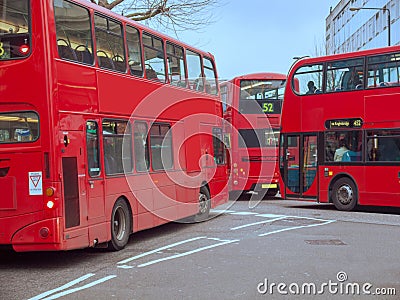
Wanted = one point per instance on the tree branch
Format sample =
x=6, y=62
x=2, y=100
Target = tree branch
x=175, y=15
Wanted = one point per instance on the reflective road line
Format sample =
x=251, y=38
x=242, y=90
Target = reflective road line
x=224, y=242
x=64, y=288
x=160, y=249
x=257, y=223
x=297, y=227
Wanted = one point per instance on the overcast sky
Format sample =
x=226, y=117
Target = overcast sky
x=262, y=35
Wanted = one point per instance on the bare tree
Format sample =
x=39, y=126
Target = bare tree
x=175, y=15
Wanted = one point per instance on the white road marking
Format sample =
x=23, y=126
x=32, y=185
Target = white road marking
x=64, y=288
x=268, y=215
x=243, y=213
x=160, y=249
x=223, y=242
x=257, y=223
x=86, y=286
x=221, y=211
x=297, y=227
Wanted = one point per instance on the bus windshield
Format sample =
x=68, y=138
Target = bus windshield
x=14, y=29
x=261, y=96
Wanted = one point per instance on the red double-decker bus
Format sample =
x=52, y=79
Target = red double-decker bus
x=252, y=109
x=106, y=127
x=340, y=137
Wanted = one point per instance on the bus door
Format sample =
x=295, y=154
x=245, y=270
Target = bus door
x=213, y=161
x=207, y=163
x=74, y=193
x=300, y=165
x=94, y=183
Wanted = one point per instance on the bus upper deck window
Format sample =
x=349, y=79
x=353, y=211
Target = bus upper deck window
x=14, y=29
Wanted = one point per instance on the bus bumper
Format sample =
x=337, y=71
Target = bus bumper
x=39, y=236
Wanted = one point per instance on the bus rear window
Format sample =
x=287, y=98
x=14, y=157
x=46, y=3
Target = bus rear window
x=14, y=29
x=19, y=127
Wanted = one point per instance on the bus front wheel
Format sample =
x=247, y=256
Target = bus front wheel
x=344, y=194
x=272, y=192
x=120, y=225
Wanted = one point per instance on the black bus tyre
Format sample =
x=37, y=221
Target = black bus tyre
x=344, y=194
x=121, y=225
x=272, y=192
x=204, y=205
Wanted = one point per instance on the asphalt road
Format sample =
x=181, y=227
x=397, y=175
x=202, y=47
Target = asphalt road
x=274, y=250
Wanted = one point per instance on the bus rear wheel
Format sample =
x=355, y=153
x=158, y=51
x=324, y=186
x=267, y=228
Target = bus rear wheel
x=344, y=194
x=120, y=225
x=204, y=205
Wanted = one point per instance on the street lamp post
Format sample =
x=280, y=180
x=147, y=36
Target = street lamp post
x=377, y=8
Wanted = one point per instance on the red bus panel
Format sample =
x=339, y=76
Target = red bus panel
x=341, y=110
x=252, y=112
x=96, y=128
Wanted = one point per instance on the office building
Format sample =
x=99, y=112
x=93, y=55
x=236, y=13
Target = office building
x=354, y=25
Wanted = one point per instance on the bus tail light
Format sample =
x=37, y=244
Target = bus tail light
x=235, y=169
x=50, y=191
x=24, y=49
x=52, y=202
x=276, y=178
x=44, y=232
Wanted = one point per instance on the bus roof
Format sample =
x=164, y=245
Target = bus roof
x=263, y=75
x=341, y=56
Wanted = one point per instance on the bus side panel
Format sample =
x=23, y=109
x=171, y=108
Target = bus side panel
x=76, y=87
x=21, y=191
x=164, y=196
x=382, y=190
x=145, y=207
x=374, y=108
x=128, y=92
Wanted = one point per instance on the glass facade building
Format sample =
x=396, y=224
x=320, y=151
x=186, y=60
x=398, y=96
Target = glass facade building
x=352, y=30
